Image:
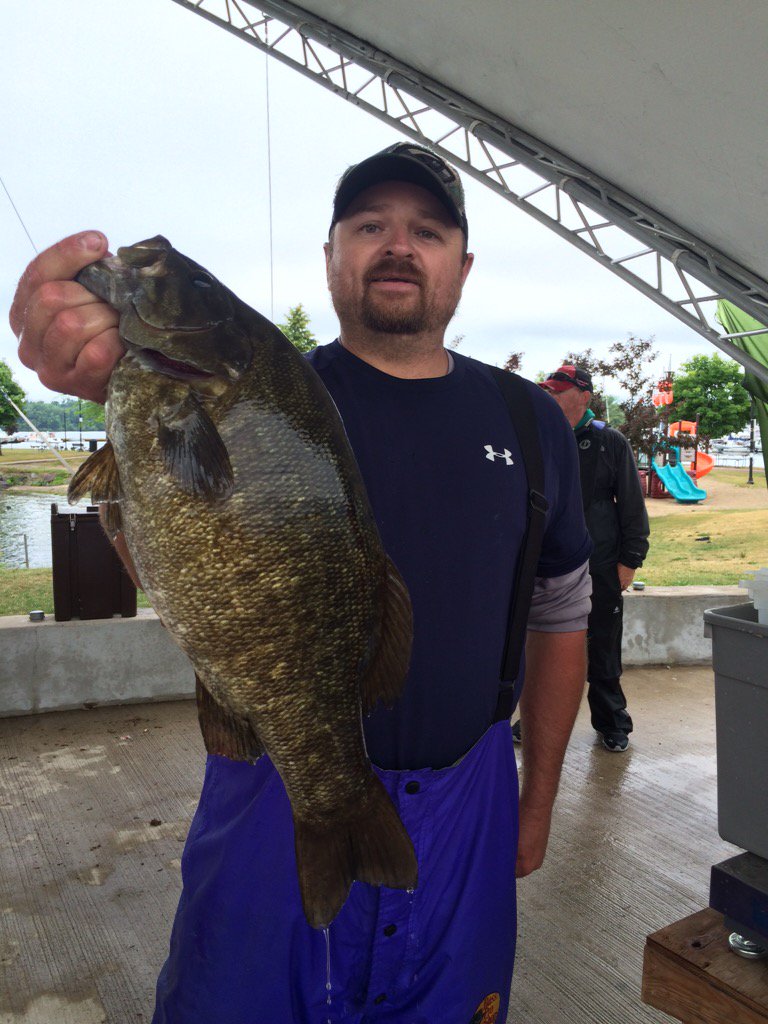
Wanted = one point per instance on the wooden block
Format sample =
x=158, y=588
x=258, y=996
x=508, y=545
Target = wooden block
x=690, y=973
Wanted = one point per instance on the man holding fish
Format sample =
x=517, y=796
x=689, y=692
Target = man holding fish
x=444, y=473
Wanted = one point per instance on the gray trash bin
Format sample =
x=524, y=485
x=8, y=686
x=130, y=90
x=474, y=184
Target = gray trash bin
x=740, y=661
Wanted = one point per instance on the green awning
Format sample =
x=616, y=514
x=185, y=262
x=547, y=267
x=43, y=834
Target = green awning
x=734, y=321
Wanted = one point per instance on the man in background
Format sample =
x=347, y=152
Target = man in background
x=617, y=521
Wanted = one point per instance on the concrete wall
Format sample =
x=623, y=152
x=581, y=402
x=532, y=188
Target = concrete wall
x=665, y=625
x=57, y=665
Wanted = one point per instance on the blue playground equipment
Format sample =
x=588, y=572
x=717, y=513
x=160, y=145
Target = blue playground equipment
x=676, y=479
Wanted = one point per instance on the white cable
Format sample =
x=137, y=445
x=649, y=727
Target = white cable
x=10, y=200
x=269, y=182
x=43, y=438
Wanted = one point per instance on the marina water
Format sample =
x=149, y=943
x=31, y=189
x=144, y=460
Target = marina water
x=30, y=514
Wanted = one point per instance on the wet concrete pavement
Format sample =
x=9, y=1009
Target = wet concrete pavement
x=95, y=805
x=634, y=837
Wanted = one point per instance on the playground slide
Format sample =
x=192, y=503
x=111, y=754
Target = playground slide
x=679, y=484
x=704, y=463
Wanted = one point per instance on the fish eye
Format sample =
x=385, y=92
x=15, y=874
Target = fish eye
x=202, y=281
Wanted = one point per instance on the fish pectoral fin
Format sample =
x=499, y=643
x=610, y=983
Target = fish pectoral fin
x=99, y=476
x=223, y=731
x=388, y=666
x=193, y=451
x=371, y=847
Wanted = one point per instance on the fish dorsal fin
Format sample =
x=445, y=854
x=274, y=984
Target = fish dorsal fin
x=224, y=732
x=389, y=663
x=193, y=451
x=99, y=476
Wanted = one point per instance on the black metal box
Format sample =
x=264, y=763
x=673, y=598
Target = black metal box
x=89, y=580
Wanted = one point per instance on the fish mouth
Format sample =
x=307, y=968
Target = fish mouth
x=161, y=363
x=180, y=329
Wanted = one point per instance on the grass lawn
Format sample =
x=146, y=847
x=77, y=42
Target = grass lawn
x=736, y=477
x=33, y=469
x=738, y=544
x=13, y=456
x=22, y=590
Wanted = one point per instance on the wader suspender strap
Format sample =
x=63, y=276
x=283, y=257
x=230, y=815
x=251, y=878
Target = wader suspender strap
x=523, y=415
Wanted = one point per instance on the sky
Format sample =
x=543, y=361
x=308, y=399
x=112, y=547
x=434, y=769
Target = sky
x=139, y=118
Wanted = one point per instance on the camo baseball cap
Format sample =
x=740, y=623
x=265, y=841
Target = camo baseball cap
x=405, y=161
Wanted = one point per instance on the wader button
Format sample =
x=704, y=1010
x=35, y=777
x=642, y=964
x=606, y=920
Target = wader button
x=390, y=930
x=380, y=999
x=412, y=787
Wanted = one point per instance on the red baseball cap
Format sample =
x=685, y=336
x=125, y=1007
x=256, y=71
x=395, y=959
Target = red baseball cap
x=568, y=377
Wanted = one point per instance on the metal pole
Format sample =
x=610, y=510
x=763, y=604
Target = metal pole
x=750, y=479
x=80, y=418
x=26, y=550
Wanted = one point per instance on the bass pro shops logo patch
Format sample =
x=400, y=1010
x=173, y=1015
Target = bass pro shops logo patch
x=488, y=1011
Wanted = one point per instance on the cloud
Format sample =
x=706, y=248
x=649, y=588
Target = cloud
x=141, y=119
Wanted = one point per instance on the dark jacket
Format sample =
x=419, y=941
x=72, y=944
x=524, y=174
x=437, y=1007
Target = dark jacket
x=613, y=498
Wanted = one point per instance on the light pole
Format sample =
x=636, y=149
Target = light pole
x=750, y=479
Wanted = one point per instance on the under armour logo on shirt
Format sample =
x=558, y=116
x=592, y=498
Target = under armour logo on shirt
x=492, y=455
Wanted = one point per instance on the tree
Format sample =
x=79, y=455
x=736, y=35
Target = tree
x=46, y=415
x=296, y=329
x=629, y=368
x=587, y=360
x=9, y=418
x=711, y=387
x=63, y=414
x=613, y=413
x=93, y=416
x=514, y=362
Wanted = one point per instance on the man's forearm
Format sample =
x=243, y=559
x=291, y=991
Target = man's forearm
x=555, y=670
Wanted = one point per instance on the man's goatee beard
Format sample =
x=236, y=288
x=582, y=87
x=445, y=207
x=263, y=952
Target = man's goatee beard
x=392, y=321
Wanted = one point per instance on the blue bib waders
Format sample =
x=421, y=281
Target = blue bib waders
x=243, y=953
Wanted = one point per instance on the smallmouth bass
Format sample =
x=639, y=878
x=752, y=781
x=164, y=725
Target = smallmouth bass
x=228, y=470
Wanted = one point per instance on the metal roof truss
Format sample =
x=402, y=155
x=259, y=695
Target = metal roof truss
x=672, y=266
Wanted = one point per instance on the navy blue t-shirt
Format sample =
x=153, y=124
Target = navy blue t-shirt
x=445, y=477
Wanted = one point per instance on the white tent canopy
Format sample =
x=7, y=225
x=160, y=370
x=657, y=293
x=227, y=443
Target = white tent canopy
x=629, y=121
x=665, y=100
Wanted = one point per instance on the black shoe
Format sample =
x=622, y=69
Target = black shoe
x=516, y=734
x=615, y=741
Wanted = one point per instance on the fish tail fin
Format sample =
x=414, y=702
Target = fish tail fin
x=383, y=850
x=373, y=847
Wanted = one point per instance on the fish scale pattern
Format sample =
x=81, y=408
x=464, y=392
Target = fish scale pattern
x=274, y=581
